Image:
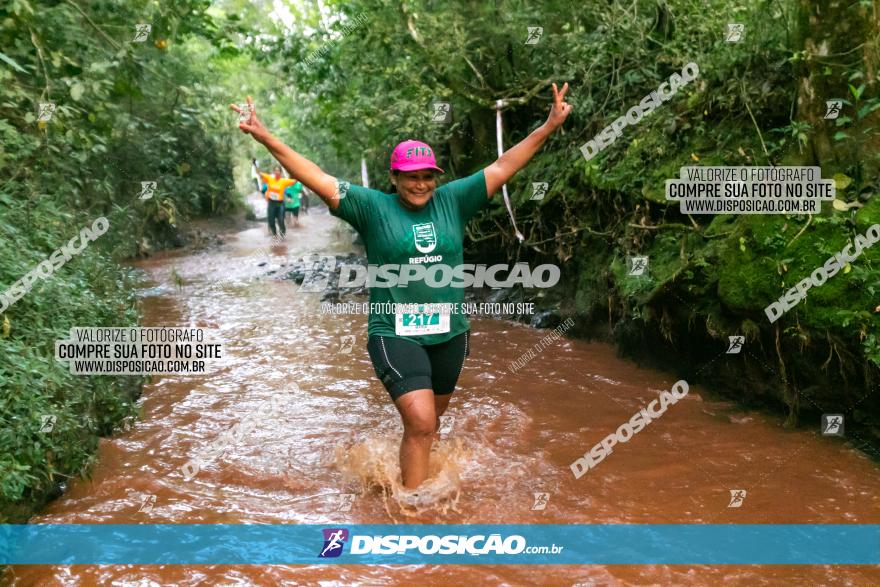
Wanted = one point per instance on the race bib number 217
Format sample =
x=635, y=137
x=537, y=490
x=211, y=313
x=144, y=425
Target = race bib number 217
x=418, y=323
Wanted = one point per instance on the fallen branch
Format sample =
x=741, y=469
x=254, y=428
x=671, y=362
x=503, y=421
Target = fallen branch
x=809, y=220
x=575, y=231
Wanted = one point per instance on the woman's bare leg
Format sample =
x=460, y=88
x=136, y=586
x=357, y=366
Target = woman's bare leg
x=419, y=423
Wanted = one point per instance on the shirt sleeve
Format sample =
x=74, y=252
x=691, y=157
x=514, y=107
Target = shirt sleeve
x=469, y=194
x=356, y=205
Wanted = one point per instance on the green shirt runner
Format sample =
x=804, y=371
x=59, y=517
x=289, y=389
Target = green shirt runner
x=395, y=235
x=292, y=195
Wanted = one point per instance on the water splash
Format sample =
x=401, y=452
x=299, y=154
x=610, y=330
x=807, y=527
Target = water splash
x=375, y=464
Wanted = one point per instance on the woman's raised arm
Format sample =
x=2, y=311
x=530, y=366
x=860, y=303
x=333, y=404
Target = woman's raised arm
x=520, y=154
x=299, y=168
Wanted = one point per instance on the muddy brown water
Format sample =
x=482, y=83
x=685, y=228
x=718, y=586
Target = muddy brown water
x=512, y=435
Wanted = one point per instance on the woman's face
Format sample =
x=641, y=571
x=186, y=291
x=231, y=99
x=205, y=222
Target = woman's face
x=277, y=172
x=415, y=188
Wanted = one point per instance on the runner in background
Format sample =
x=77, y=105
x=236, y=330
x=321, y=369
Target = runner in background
x=290, y=207
x=275, y=186
x=292, y=203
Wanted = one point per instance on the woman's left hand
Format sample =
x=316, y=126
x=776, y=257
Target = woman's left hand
x=560, y=109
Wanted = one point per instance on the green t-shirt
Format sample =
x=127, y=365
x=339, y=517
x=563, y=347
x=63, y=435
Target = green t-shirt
x=291, y=196
x=431, y=236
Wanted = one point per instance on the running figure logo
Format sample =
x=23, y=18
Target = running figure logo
x=345, y=502
x=347, y=343
x=539, y=189
x=342, y=188
x=735, y=344
x=832, y=109
x=245, y=112
x=737, y=496
x=47, y=109
x=334, y=540
x=441, y=112
x=638, y=265
x=734, y=33
x=446, y=423
x=832, y=424
x=47, y=422
x=148, y=502
x=147, y=189
x=141, y=32
x=541, y=500
x=425, y=237
x=535, y=33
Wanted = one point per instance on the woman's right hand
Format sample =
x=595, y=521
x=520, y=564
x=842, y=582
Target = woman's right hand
x=299, y=168
x=252, y=125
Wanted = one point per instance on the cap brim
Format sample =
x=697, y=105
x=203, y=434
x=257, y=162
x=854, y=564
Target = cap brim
x=417, y=167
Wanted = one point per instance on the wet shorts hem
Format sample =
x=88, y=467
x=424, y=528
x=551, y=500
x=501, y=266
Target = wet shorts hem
x=411, y=384
x=403, y=366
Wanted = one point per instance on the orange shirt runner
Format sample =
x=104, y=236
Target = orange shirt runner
x=275, y=187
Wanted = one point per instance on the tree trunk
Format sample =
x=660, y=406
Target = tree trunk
x=837, y=37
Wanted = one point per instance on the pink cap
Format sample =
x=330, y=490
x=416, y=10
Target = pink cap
x=412, y=156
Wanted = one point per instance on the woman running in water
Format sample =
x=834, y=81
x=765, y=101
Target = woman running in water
x=274, y=187
x=418, y=355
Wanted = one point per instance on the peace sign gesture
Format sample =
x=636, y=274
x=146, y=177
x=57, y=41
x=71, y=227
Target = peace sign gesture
x=250, y=124
x=560, y=110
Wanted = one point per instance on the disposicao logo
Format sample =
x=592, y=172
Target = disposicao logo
x=450, y=544
x=334, y=541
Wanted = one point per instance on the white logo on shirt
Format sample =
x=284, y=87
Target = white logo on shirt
x=425, y=237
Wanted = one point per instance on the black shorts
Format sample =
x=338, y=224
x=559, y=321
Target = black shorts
x=294, y=211
x=404, y=366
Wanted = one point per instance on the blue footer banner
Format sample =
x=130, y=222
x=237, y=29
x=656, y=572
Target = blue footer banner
x=513, y=544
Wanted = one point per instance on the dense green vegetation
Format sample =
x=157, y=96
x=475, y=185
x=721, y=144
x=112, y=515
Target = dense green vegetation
x=352, y=81
x=125, y=113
